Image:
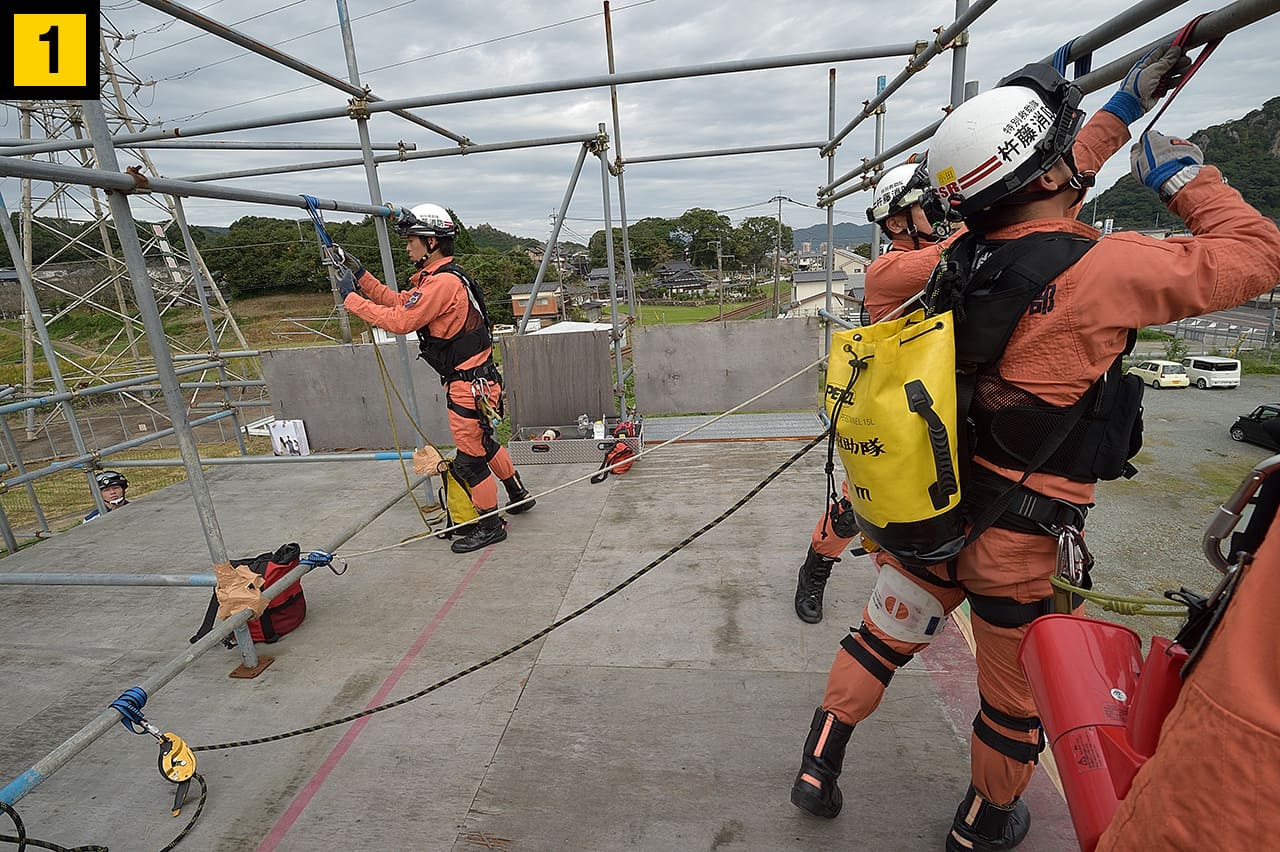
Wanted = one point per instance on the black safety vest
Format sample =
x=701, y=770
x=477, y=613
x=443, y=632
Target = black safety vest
x=1008, y=425
x=445, y=354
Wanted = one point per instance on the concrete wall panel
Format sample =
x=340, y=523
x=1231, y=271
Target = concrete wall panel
x=337, y=393
x=711, y=367
x=553, y=378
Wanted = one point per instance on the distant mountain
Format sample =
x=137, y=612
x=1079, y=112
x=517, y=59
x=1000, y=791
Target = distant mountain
x=1247, y=151
x=847, y=234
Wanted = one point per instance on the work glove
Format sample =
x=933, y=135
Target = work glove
x=346, y=260
x=1159, y=70
x=1165, y=163
x=347, y=283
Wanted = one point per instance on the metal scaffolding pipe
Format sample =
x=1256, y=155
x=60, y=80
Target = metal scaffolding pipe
x=36, y=318
x=387, y=455
x=180, y=215
x=390, y=158
x=236, y=37
x=380, y=225
x=831, y=211
x=109, y=718
x=87, y=457
x=223, y=354
x=41, y=523
x=725, y=152
x=111, y=387
x=1215, y=25
x=627, y=275
x=555, y=236
x=594, y=82
x=244, y=145
x=830, y=317
x=879, y=142
x=918, y=63
x=1126, y=22
x=601, y=151
x=959, y=51
x=64, y=578
x=12, y=166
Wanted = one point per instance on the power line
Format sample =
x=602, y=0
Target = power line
x=232, y=24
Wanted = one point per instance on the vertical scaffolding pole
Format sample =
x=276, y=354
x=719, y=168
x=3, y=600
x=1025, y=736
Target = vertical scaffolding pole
x=37, y=323
x=602, y=151
x=875, y=229
x=831, y=208
x=555, y=236
x=959, y=48
x=375, y=197
x=617, y=159
x=198, y=282
x=127, y=234
x=41, y=524
x=28, y=331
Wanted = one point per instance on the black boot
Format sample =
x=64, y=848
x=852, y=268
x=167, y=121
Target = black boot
x=815, y=788
x=515, y=493
x=490, y=530
x=981, y=826
x=811, y=583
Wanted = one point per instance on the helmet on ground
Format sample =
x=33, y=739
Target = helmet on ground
x=108, y=478
x=426, y=220
x=1001, y=140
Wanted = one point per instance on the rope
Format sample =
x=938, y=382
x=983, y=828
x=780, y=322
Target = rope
x=1124, y=605
x=1183, y=36
x=541, y=633
x=204, y=794
x=586, y=476
x=23, y=841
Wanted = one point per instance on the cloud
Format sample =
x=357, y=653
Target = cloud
x=447, y=48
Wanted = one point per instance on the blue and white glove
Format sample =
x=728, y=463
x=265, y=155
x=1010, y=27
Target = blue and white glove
x=343, y=259
x=347, y=283
x=1148, y=80
x=1165, y=163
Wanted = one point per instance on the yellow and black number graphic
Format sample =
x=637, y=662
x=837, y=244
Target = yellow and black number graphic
x=54, y=44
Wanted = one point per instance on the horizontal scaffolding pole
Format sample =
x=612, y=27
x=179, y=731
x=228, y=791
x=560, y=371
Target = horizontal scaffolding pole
x=54, y=578
x=220, y=354
x=266, y=51
x=109, y=718
x=598, y=81
x=14, y=166
x=215, y=384
x=917, y=64
x=110, y=387
x=1126, y=22
x=723, y=152
x=394, y=158
x=235, y=403
x=387, y=455
x=1215, y=25
x=239, y=145
x=132, y=443
x=840, y=321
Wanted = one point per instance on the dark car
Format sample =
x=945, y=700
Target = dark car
x=1262, y=427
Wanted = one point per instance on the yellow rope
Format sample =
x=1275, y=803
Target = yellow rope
x=1123, y=605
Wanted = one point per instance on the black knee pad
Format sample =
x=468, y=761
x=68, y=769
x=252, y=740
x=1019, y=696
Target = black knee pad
x=470, y=470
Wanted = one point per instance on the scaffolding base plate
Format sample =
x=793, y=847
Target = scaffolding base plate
x=243, y=671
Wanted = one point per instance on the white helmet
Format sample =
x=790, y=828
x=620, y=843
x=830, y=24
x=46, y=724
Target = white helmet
x=897, y=189
x=426, y=220
x=1001, y=140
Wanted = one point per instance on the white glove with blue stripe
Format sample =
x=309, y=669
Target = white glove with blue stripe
x=1165, y=163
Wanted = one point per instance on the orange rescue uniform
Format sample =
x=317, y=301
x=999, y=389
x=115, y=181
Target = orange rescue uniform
x=1126, y=281
x=438, y=302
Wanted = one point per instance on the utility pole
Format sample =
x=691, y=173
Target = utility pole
x=777, y=263
x=719, y=278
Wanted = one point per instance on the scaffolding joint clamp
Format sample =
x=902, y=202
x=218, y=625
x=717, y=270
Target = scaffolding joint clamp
x=358, y=108
x=921, y=47
x=140, y=181
x=401, y=149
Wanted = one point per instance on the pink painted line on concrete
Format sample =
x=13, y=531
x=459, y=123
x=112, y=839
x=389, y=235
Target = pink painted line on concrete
x=954, y=674
x=300, y=802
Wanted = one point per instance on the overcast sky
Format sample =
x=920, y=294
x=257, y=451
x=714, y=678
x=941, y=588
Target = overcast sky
x=414, y=47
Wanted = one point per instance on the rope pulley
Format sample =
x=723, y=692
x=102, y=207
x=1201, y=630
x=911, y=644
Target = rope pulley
x=176, y=762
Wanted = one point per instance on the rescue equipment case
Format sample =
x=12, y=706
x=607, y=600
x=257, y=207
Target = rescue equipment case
x=527, y=446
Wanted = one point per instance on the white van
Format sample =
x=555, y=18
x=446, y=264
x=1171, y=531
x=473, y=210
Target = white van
x=1212, y=371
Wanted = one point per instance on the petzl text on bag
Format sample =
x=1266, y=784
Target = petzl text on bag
x=891, y=396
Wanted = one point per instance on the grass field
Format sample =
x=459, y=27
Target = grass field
x=676, y=314
x=65, y=499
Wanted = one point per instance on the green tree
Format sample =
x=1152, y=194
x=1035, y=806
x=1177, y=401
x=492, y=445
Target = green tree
x=698, y=228
x=755, y=239
x=261, y=255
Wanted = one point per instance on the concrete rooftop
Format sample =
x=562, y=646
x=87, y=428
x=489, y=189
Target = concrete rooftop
x=670, y=717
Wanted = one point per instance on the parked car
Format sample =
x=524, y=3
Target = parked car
x=1212, y=371
x=1161, y=374
x=1259, y=427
